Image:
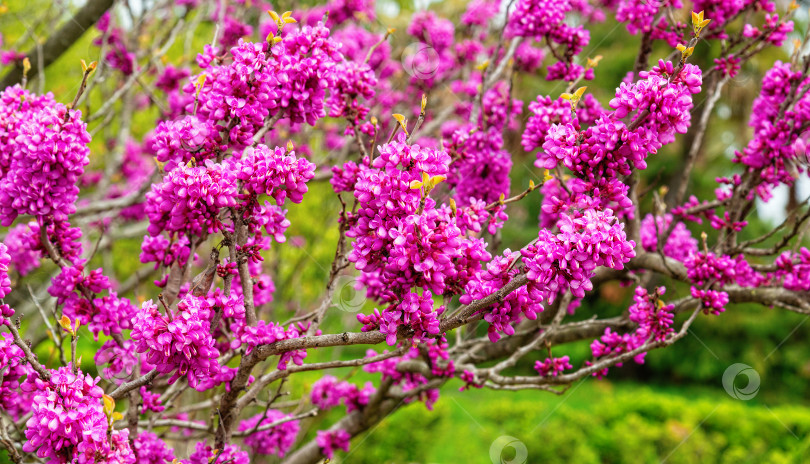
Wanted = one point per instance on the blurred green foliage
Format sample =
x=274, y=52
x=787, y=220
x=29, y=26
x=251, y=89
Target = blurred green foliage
x=595, y=422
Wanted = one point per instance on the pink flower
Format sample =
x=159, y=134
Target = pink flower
x=18, y=240
x=151, y=450
x=552, y=366
x=205, y=454
x=68, y=415
x=43, y=155
x=5, y=281
x=189, y=199
x=276, y=440
x=330, y=440
x=179, y=343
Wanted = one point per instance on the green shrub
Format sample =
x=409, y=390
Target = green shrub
x=593, y=423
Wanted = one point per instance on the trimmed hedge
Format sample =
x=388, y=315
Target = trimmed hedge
x=593, y=423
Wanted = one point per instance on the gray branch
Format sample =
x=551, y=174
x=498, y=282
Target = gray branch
x=60, y=42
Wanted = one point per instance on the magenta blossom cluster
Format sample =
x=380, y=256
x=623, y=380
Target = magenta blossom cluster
x=72, y=278
x=499, y=109
x=644, y=16
x=14, y=368
x=43, y=155
x=112, y=40
x=434, y=351
x=109, y=314
x=304, y=64
x=119, y=360
x=566, y=261
x=78, y=291
x=696, y=211
x=150, y=449
x=479, y=12
x=354, y=84
x=429, y=250
x=612, y=344
x=207, y=454
x=165, y=252
x=432, y=59
x=414, y=312
x=238, y=93
x=356, y=44
x=171, y=78
x=469, y=380
x=241, y=91
x=179, y=343
x=678, y=245
x=331, y=440
x=509, y=310
x=275, y=172
x=539, y=19
x=544, y=20
x=24, y=258
x=778, y=149
x=233, y=27
x=265, y=333
x=68, y=424
x=361, y=81
x=665, y=92
x=150, y=401
x=709, y=273
x=234, y=98
x=64, y=237
x=478, y=216
x=546, y=112
x=654, y=319
x=179, y=141
x=724, y=10
x=793, y=270
x=773, y=31
x=402, y=240
x=578, y=194
x=189, y=199
x=342, y=11
x=345, y=176
x=421, y=222
x=5, y=281
x=659, y=105
x=708, y=268
x=528, y=58
x=327, y=392
x=481, y=165
x=276, y=440
x=552, y=366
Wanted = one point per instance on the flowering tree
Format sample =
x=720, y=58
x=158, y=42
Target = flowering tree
x=276, y=103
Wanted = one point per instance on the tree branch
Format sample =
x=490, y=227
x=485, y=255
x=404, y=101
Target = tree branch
x=60, y=42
